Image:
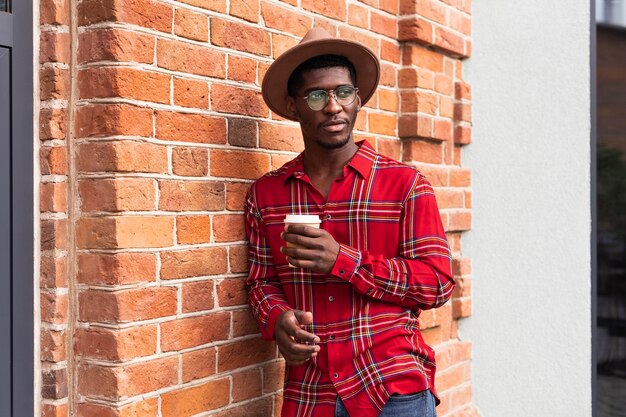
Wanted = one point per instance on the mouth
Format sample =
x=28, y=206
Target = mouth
x=334, y=126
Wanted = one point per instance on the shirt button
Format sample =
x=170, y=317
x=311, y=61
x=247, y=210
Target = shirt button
x=335, y=375
x=328, y=217
x=331, y=337
x=331, y=298
x=369, y=291
x=341, y=271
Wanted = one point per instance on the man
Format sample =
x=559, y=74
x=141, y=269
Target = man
x=342, y=302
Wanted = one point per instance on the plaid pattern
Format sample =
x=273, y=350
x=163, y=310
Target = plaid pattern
x=394, y=262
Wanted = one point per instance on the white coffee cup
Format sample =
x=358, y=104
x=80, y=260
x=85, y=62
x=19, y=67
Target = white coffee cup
x=312, y=220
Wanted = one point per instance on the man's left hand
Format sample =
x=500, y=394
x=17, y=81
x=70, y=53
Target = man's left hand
x=314, y=249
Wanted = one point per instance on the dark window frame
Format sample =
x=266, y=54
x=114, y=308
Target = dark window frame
x=16, y=33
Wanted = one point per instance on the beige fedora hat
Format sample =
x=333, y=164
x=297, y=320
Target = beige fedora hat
x=318, y=42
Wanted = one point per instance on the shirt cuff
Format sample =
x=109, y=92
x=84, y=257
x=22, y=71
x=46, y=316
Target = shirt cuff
x=347, y=262
x=271, y=320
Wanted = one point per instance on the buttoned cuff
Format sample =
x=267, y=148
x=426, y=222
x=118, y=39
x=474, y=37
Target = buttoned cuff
x=276, y=311
x=347, y=262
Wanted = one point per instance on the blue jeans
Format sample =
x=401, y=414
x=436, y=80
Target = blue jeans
x=421, y=404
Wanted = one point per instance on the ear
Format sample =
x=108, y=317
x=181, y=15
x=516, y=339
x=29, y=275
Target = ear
x=358, y=102
x=291, y=107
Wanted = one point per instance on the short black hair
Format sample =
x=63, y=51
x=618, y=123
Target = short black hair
x=321, y=61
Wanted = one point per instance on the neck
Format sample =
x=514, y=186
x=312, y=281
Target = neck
x=319, y=161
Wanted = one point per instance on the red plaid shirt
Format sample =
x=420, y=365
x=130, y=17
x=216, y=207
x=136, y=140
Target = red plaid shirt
x=393, y=262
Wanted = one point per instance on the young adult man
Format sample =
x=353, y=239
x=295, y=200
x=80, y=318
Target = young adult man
x=342, y=302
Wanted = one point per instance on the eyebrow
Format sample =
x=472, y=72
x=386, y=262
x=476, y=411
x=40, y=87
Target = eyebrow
x=308, y=90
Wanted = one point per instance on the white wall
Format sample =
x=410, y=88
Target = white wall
x=530, y=239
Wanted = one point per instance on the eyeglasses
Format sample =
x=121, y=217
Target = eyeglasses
x=344, y=95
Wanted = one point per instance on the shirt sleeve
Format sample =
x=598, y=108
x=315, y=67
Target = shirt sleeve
x=266, y=298
x=421, y=276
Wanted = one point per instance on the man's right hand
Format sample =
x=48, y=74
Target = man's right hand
x=296, y=345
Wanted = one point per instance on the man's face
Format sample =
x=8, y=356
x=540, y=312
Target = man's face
x=332, y=126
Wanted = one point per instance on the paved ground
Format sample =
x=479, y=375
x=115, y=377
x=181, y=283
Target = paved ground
x=611, y=396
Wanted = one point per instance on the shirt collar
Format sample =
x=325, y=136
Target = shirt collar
x=361, y=162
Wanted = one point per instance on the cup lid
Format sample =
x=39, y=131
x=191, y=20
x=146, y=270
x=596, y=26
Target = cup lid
x=302, y=218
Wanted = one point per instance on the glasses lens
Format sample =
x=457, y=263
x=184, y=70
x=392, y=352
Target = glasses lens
x=345, y=95
x=317, y=99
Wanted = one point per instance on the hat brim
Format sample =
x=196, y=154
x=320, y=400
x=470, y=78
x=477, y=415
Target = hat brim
x=274, y=87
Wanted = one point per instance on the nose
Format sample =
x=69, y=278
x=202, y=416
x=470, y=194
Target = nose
x=332, y=106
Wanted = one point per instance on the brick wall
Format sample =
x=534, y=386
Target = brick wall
x=152, y=126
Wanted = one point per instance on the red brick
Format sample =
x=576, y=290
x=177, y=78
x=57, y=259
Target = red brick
x=54, y=83
x=113, y=119
x=242, y=69
x=463, y=287
x=430, y=9
x=238, y=259
x=53, y=272
x=415, y=126
x=462, y=135
x=442, y=130
x=198, y=364
x=53, y=197
x=55, y=410
x=460, y=177
x=443, y=84
x=387, y=75
x=462, y=112
x=459, y=221
x=54, y=47
x=116, y=344
x=54, y=383
x=53, y=345
x=184, y=127
x=244, y=323
x=189, y=161
x=190, y=58
x=462, y=91
x=193, y=263
x=335, y=9
x=419, y=101
x=236, y=195
x=242, y=132
x=145, y=13
x=126, y=305
x=460, y=396
x=451, y=42
x=383, y=124
x=240, y=37
x=422, y=57
x=285, y=20
x=54, y=12
x=416, y=77
x=194, y=331
x=141, y=408
x=446, y=107
x=383, y=24
x=232, y=292
x=449, y=197
x=193, y=400
x=422, y=151
x=193, y=229
x=52, y=124
x=462, y=307
x=453, y=377
x=388, y=100
x=53, y=160
x=273, y=376
x=239, y=164
x=461, y=22
x=246, y=384
x=390, y=6
x=280, y=44
x=280, y=160
x=191, y=195
x=228, y=99
x=116, y=269
x=112, y=44
x=198, y=296
x=257, y=408
x=191, y=93
x=390, y=51
x=228, y=228
x=452, y=353
x=124, y=232
x=248, y=10
x=389, y=147
x=358, y=16
x=244, y=353
x=121, y=156
x=191, y=25
x=137, y=84
x=53, y=307
x=214, y=5
x=54, y=234
x=127, y=381
x=280, y=137
x=117, y=194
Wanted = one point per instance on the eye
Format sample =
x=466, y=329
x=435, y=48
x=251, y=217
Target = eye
x=344, y=91
x=317, y=95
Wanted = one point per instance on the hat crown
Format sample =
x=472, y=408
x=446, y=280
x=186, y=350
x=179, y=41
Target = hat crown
x=315, y=34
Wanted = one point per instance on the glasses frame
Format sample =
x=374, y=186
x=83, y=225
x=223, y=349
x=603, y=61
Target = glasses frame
x=330, y=93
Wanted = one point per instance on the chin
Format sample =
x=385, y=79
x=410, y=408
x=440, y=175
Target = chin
x=335, y=143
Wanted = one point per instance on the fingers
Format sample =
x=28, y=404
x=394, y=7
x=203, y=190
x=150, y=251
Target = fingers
x=303, y=230
x=296, y=345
